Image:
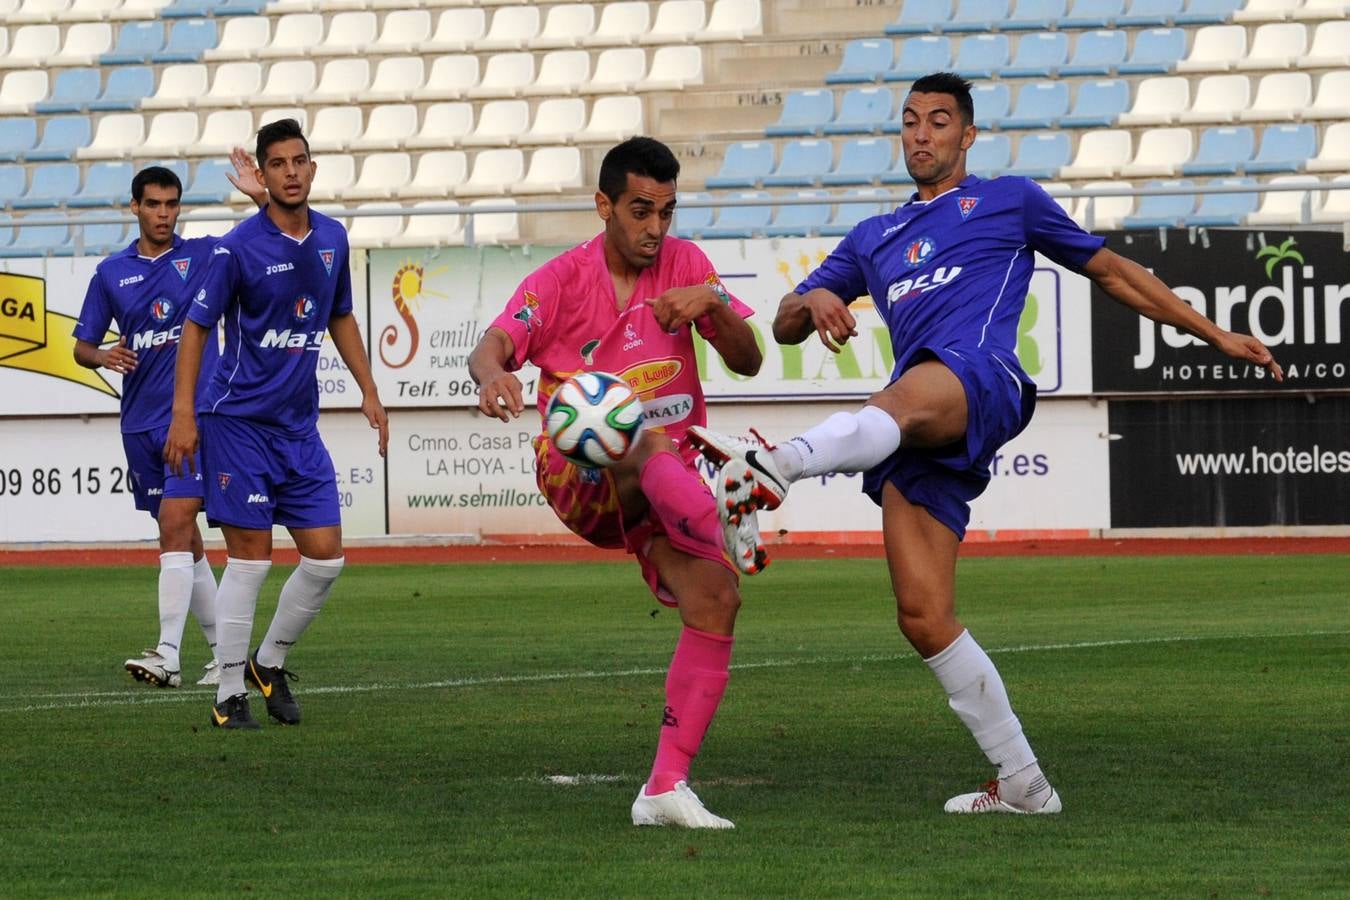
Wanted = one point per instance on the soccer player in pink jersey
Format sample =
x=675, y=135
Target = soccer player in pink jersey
x=628, y=301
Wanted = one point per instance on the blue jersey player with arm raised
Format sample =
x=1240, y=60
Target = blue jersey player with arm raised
x=949, y=273
x=278, y=282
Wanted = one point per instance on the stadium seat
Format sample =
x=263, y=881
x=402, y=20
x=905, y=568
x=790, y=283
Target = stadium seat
x=561, y=72
x=744, y=164
x=17, y=137
x=897, y=173
x=993, y=103
x=1039, y=105
x=288, y=82
x=1265, y=10
x=37, y=10
x=1284, y=148
x=977, y=15
x=552, y=170
x=861, y=160
x=457, y=29
x=1222, y=151
x=403, y=31
x=1219, y=210
x=740, y=221
x=566, y=25
x=39, y=240
x=342, y=81
x=187, y=41
x=89, y=9
x=677, y=22
x=613, y=119
x=1162, y=210
x=1280, y=97
x=1156, y=51
x=51, y=186
x=511, y=28
x=848, y=214
x=206, y=221
x=499, y=122
x=126, y=88
x=1330, y=47
x=492, y=173
x=33, y=45
x=293, y=35
x=179, y=87
x=691, y=220
x=1103, y=213
x=800, y=219
x=1092, y=13
x=1334, y=154
x=1216, y=48
x=62, y=136
x=1335, y=208
x=492, y=228
x=105, y=184
x=443, y=125
x=334, y=128
x=72, y=91
x=22, y=90
x=673, y=69
x=1150, y=13
x=438, y=173
x=397, y=78
x=96, y=238
x=222, y=131
x=335, y=173
x=171, y=134
x=802, y=164
x=557, y=120
x=919, y=18
x=862, y=111
x=1100, y=154
x=803, y=113
x=349, y=33
x=138, y=9
x=734, y=20
x=981, y=56
x=240, y=8
x=242, y=38
x=1038, y=56
x=370, y=232
x=137, y=42
x=85, y=42
x=1158, y=101
x=1161, y=151
x=450, y=77
x=1276, y=46
x=431, y=229
x=620, y=23
x=234, y=83
x=865, y=61
x=1322, y=9
x=1041, y=156
x=275, y=114
x=182, y=9
x=208, y=183
x=1207, y=12
x=919, y=56
x=1218, y=98
x=13, y=183
x=618, y=70
x=388, y=127
x=1095, y=53
x=505, y=75
x=1285, y=207
x=1098, y=104
x=989, y=156
x=1035, y=15
x=1333, y=97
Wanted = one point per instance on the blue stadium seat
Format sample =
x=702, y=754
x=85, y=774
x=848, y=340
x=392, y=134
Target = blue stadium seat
x=804, y=113
x=72, y=91
x=1225, y=209
x=800, y=219
x=1156, y=50
x=183, y=9
x=917, y=18
x=897, y=173
x=992, y=102
x=1039, y=105
x=1098, y=103
x=39, y=240
x=981, y=56
x=209, y=184
x=188, y=40
x=864, y=61
x=1162, y=210
x=1092, y=13
x=13, y=183
x=97, y=238
x=863, y=111
x=240, y=8
x=1035, y=15
x=1096, y=53
x=1222, y=151
x=977, y=15
x=1208, y=12
x=802, y=164
x=137, y=42
x=989, y=156
x=52, y=186
x=18, y=135
x=127, y=86
x=178, y=167
x=1041, y=155
x=861, y=160
x=743, y=165
x=740, y=221
x=105, y=184
x=1150, y=13
x=61, y=137
x=689, y=220
x=919, y=56
x=1284, y=148
x=848, y=214
x=1038, y=55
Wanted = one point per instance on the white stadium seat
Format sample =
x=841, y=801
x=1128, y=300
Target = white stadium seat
x=1107, y=212
x=87, y=10
x=444, y=125
x=1283, y=207
x=348, y=33
x=172, y=133
x=499, y=122
x=403, y=31
x=450, y=77
x=235, y=84
x=294, y=35
x=677, y=22
x=1100, y=155
x=388, y=127
x=495, y=228
x=1219, y=98
x=1333, y=97
x=288, y=82
x=511, y=29
x=567, y=25
x=397, y=78
x=138, y=9
x=382, y=174
x=552, y=171
x=1280, y=97
x=20, y=90
x=1336, y=207
x=1276, y=46
x=457, y=29
x=197, y=222
x=613, y=119
x=734, y=20
x=335, y=173
x=32, y=45
x=84, y=43
x=268, y=116
x=38, y=11
x=1330, y=47
x=223, y=130
x=438, y=174
x=1266, y=10
x=1217, y=48
x=493, y=172
x=432, y=229
x=179, y=87
x=343, y=81
x=620, y=23
x=1064, y=203
x=617, y=71
x=1334, y=154
x=335, y=127
x=1158, y=101
x=1161, y=152
x=1323, y=9
x=561, y=72
x=505, y=75
x=369, y=232
x=557, y=120
x=242, y=37
x=115, y=137
x=673, y=68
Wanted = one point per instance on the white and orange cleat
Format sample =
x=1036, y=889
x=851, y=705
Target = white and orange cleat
x=769, y=487
x=740, y=524
x=678, y=806
x=1043, y=800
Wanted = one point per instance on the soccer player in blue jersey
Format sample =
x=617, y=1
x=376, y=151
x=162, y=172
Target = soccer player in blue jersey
x=146, y=289
x=949, y=272
x=280, y=280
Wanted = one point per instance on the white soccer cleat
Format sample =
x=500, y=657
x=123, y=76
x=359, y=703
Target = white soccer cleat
x=740, y=524
x=989, y=801
x=679, y=806
x=769, y=487
x=210, y=673
x=151, y=669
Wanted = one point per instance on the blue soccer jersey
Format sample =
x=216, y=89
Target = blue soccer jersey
x=148, y=298
x=954, y=271
x=276, y=295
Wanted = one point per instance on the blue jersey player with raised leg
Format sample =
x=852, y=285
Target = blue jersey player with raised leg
x=279, y=281
x=146, y=289
x=949, y=273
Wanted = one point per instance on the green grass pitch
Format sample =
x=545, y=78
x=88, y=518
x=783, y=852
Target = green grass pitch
x=1194, y=714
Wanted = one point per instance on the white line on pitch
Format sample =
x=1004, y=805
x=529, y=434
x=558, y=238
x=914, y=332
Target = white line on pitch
x=94, y=699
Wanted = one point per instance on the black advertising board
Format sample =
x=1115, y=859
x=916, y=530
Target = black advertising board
x=1293, y=294
x=1230, y=462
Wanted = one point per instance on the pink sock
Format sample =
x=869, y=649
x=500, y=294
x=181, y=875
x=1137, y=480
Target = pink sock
x=678, y=498
x=694, y=686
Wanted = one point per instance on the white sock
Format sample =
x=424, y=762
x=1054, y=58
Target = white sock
x=845, y=442
x=236, y=598
x=204, y=600
x=301, y=599
x=175, y=590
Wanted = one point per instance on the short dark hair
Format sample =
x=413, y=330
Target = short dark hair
x=275, y=133
x=948, y=83
x=638, y=156
x=156, y=175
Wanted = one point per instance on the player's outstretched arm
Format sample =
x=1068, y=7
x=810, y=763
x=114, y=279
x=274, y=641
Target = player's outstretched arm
x=734, y=340
x=118, y=358
x=347, y=339
x=181, y=443
x=499, y=391
x=820, y=311
x=1138, y=288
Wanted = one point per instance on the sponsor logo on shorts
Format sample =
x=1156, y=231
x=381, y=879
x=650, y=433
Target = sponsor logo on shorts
x=966, y=205
x=154, y=492
x=257, y=498
x=182, y=266
x=326, y=257
x=919, y=252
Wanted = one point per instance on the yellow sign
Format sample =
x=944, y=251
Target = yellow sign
x=648, y=376
x=36, y=340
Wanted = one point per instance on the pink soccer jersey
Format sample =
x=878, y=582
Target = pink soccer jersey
x=564, y=319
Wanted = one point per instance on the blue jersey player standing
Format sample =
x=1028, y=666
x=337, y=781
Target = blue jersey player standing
x=280, y=281
x=949, y=273
x=146, y=289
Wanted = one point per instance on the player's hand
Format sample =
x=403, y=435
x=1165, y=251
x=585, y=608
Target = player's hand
x=831, y=318
x=680, y=306
x=245, y=176
x=500, y=397
x=118, y=358
x=377, y=418
x=1244, y=346
x=181, y=445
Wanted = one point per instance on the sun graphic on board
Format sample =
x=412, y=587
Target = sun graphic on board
x=410, y=285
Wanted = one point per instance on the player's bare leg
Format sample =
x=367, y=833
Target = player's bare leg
x=921, y=553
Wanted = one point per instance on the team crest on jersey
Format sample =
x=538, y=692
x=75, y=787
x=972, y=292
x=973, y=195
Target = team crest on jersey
x=161, y=309
x=304, y=308
x=966, y=205
x=919, y=252
x=528, y=314
x=182, y=265
x=223, y=479
x=327, y=257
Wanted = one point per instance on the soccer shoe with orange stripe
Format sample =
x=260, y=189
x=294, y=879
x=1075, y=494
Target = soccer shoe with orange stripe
x=271, y=682
x=768, y=486
x=153, y=669
x=678, y=806
x=233, y=712
x=1042, y=801
x=740, y=524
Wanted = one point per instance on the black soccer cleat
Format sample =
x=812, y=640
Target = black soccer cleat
x=271, y=682
x=233, y=712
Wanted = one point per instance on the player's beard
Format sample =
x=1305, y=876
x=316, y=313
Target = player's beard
x=291, y=207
